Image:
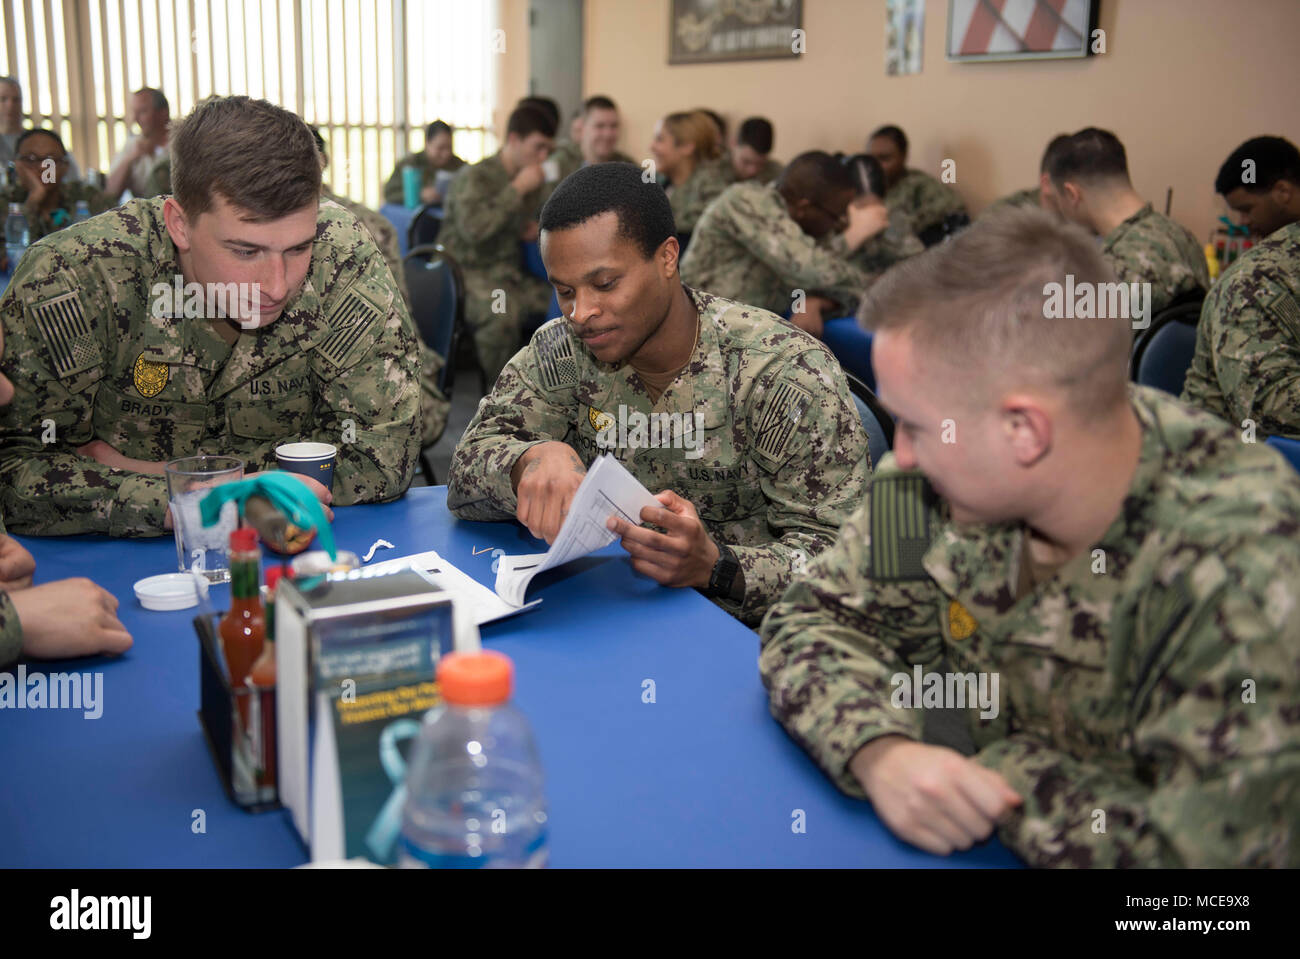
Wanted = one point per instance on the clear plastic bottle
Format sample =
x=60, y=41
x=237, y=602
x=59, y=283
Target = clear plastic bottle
x=82, y=212
x=474, y=784
x=17, y=235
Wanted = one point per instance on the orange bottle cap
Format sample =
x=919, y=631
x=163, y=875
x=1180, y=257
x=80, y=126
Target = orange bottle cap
x=476, y=679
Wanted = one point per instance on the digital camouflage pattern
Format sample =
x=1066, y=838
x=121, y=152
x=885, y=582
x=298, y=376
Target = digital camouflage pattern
x=925, y=201
x=768, y=174
x=1149, y=247
x=568, y=158
x=1161, y=692
x=1247, y=363
x=1021, y=199
x=434, y=405
x=393, y=191
x=482, y=228
x=159, y=181
x=891, y=245
x=90, y=361
x=784, y=459
x=701, y=188
x=747, y=248
x=42, y=223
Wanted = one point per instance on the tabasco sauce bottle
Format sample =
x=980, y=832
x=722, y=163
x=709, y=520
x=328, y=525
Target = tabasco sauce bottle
x=243, y=629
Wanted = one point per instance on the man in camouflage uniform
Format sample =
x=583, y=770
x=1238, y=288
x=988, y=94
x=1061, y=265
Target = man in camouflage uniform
x=690, y=198
x=760, y=455
x=758, y=244
x=1036, y=196
x=750, y=156
x=897, y=241
x=597, y=141
x=434, y=405
x=435, y=158
x=48, y=197
x=116, y=371
x=1121, y=565
x=925, y=201
x=1088, y=183
x=1247, y=362
x=492, y=207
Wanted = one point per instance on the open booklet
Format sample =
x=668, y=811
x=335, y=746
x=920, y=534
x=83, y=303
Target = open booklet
x=607, y=490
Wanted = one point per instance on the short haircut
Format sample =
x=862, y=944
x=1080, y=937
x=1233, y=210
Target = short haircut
x=1089, y=156
x=211, y=155
x=716, y=117
x=28, y=134
x=756, y=133
x=320, y=141
x=815, y=175
x=644, y=214
x=436, y=127
x=1054, y=147
x=868, y=174
x=1274, y=159
x=977, y=303
x=598, y=102
x=13, y=82
x=526, y=120
x=158, y=97
x=891, y=132
x=545, y=105
x=694, y=127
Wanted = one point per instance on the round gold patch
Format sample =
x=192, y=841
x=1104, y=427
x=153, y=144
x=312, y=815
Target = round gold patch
x=599, y=421
x=961, y=624
x=150, y=377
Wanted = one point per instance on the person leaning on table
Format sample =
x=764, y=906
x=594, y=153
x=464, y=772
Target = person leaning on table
x=115, y=374
x=1123, y=565
x=70, y=617
x=780, y=458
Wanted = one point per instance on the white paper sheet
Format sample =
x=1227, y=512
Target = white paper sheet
x=478, y=602
x=607, y=490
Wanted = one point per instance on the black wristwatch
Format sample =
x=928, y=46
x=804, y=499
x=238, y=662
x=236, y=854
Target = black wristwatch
x=724, y=573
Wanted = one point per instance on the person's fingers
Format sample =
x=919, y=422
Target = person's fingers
x=1010, y=797
x=115, y=640
x=929, y=840
x=656, y=572
x=971, y=824
x=647, y=541
x=983, y=793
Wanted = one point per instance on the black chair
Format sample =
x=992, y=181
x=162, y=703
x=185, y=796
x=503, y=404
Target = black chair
x=1162, y=353
x=947, y=228
x=437, y=289
x=878, y=424
x=424, y=227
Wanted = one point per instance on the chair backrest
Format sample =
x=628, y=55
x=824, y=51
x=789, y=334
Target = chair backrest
x=1163, y=352
x=1288, y=448
x=437, y=290
x=878, y=424
x=424, y=227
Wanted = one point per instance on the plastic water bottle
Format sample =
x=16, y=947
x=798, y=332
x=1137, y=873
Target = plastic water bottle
x=474, y=785
x=17, y=235
x=82, y=212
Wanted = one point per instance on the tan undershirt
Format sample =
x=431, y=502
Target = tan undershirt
x=656, y=383
x=1032, y=573
x=227, y=331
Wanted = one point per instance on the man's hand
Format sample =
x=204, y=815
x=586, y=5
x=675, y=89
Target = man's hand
x=528, y=179
x=318, y=489
x=931, y=796
x=102, y=453
x=545, y=479
x=530, y=232
x=69, y=618
x=813, y=318
x=16, y=565
x=865, y=221
x=430, y=196
x=684, y=556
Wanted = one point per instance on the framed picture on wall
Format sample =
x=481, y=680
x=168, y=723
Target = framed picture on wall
x=1020, y=29
x=709, y=31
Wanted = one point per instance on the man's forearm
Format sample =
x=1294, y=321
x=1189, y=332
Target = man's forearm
x=56, y=494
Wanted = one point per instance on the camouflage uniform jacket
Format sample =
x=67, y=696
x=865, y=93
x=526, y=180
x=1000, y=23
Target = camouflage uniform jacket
x=1021, y=199
x=783, y=459
x=1247, y=363
x=41, y=224
x=568, y=157
x=90, y=360
x=894, y=243
x=485, y=218
x=747, y=248
x=159, y=181
x=689, y=199
x=1149, y=247
x=1160, y=689
x=924, y=200
x=771, y=170
x=393, y=189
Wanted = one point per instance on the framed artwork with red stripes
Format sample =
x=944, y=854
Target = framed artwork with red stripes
x=1022, y=29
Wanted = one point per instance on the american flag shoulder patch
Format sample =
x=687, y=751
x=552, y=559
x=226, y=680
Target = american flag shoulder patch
x=351, y=319
x=555, y=364
x=779, y=420
x=1285, y=307
x=67, y=334
x=900, y=527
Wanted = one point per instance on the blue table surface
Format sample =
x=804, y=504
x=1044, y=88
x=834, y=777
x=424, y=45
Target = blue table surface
x=701, y=777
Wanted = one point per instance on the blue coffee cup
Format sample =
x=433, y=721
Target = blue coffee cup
x=309, y=459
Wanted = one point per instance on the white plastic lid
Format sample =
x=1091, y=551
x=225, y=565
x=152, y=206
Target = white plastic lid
x=168, y=591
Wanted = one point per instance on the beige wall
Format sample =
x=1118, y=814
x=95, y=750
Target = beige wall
x=1182, y=83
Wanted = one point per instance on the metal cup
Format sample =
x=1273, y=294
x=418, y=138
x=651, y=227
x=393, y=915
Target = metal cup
x=202, y=549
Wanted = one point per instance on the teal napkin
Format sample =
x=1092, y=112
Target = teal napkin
x=285, y=493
